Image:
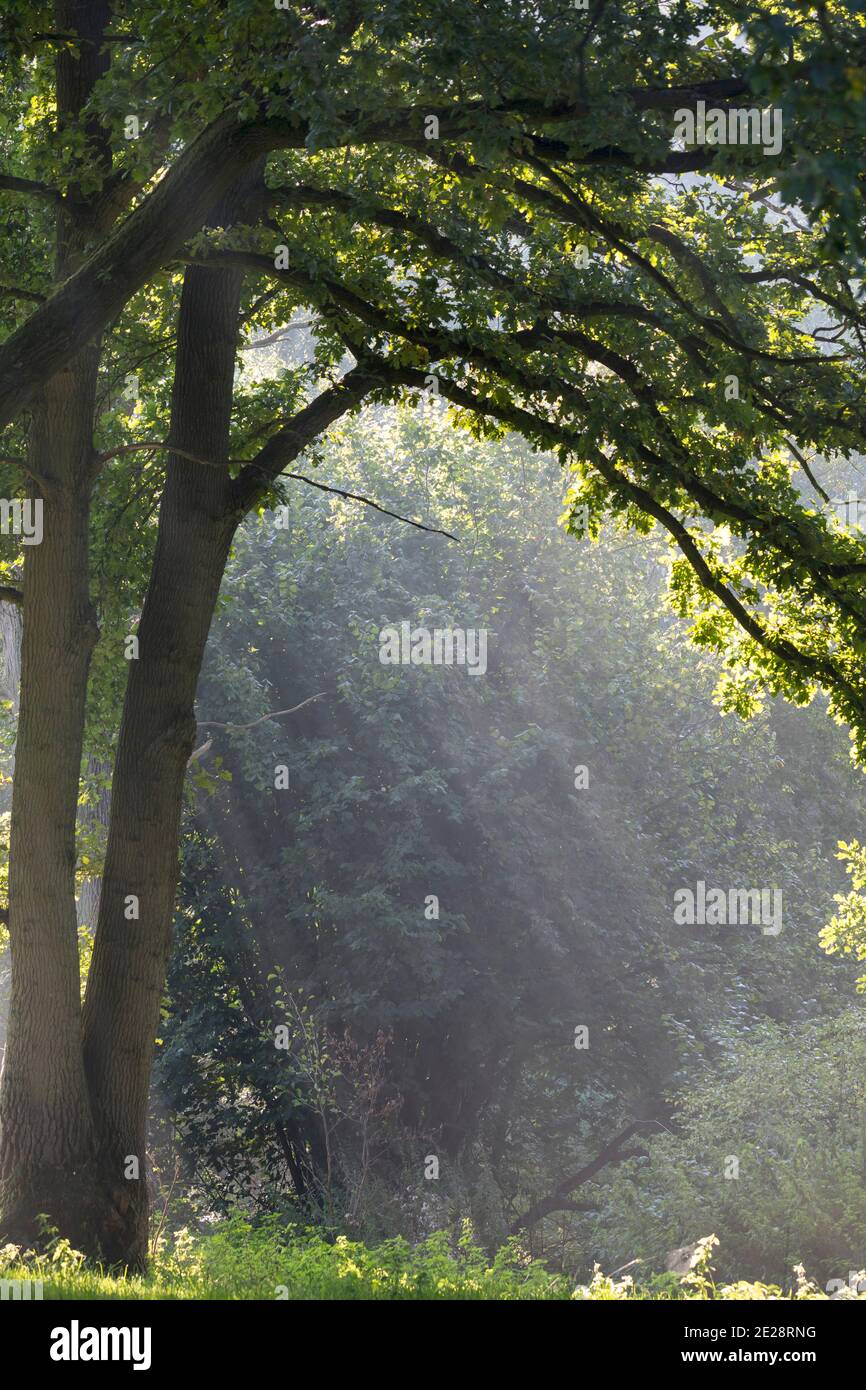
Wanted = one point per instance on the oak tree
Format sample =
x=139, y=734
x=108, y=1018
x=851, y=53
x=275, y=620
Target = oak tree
x=485, y=201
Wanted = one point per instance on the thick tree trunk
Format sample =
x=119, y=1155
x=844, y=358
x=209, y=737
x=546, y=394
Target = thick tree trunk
x=45, y=1124
x=47, y=1140
x=76, y=1086
x=133, y=935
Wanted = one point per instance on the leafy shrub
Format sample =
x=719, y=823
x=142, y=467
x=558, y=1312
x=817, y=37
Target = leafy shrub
x=790, y=1106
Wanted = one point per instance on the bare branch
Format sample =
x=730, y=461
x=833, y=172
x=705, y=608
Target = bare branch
x=277, y=337
x=804, y=464
x=45, y=485
x=368, y=502
x=272, y=714
x=251, y=464
x=166, y=444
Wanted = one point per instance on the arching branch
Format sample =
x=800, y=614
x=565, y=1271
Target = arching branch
x=272, y=714
x=368, y=502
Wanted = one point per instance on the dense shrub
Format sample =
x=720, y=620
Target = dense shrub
x=790, y=1107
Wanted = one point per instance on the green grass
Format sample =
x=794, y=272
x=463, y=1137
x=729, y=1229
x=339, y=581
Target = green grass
x=274, y=1261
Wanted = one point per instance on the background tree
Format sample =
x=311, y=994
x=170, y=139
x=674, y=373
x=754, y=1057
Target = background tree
x=554, y=904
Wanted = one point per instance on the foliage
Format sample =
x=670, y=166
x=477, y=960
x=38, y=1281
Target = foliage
x=691, y=349
x=457, y=258
x=555, y=904
x=789, y=1107
x=239, y=1261
x=845, y=933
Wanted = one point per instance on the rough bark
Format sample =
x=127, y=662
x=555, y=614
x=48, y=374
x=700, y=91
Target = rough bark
x=127, y=971
x=74, y=1102
x=46, y=1133
x=199, y=513
x=45, y=1130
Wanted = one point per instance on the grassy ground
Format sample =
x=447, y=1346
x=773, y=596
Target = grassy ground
x=270, y=1261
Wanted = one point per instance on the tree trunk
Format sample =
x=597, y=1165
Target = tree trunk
x=47, y=1140
x=74, y=1103
x=133, y=936
x=46, y=1134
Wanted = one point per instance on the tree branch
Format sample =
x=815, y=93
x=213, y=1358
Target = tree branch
x=10, y=184
x=368, y=502
x=251, y=467
x=611, y=1153
x=272, y=714
x=177, y=207
x=258, y=476
x=148, y=444
x=13, y=292
x=821, y=670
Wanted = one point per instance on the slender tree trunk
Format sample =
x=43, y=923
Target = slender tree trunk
x=157, y=735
